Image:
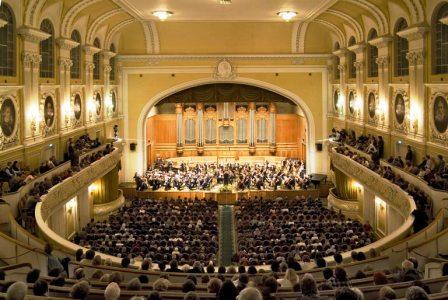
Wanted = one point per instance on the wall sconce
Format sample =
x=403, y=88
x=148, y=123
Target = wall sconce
x=358, y=106
x=67, y=113
x=382, y=107
x=33, y=115
x=357, y=186
x=413, y=118
x=90, y=108
x=92, y=188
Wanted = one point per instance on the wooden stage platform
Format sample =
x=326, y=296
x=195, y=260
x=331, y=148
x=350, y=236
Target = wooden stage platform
x=227, y=198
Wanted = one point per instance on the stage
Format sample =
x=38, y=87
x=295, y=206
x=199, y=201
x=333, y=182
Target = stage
x=223, y=198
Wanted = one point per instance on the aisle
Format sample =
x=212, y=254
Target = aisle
x=227, y=235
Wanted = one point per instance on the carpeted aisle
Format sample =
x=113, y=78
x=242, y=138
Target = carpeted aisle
x=227, y=233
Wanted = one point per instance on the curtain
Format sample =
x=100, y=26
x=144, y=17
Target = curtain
x=345, y=186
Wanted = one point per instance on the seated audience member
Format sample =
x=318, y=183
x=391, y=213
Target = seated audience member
x=112, y=292
x=188, y=286
x=227, y=291
x=308, y=287
x=40, y=288
x=270, y=286
x=379, y=278
x=387, y=293
x=161, y=285
x=345, y=293
x=214, y=285
x=250, y=293
x=407, y=272
x=17, y=291
x=154, y=296
x=32, y=276
x=80, y=290
x=134, y=285
x=289, y=279
x=53, y=261
x=416, y=293
x=191, y=296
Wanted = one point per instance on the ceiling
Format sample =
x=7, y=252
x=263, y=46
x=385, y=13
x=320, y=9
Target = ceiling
x=239, y=10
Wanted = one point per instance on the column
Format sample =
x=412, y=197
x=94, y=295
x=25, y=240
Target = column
x=31, y=60
x=251, y=127
x=272, y=127
x=383, y=61
x=89, y=50
x=359, y=65
x=416, y=58
x=200, y=121
x=65, y=64
x=179, y=129
x=106, y=56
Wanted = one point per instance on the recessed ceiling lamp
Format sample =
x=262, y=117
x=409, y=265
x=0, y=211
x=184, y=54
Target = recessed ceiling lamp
x=287, y=15
x=225, y=1
x=162, y=14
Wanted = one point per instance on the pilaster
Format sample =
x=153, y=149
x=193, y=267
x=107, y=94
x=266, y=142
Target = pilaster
x=106, y=56
x=31, y=62
x=88, y=81
x=416, y=57
x=383, y=62
x=359, y=65
x=65, y=64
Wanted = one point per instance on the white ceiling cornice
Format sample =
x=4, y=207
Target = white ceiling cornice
x=174, y=57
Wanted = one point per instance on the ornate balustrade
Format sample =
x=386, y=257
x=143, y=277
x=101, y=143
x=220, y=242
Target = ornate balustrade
x=392, y=194
x=66, y=190
x=439, y=197
x=349, y=208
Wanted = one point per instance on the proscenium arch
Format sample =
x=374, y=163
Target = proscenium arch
x=141, y=124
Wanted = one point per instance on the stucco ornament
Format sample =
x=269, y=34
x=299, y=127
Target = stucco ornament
x=224, y=70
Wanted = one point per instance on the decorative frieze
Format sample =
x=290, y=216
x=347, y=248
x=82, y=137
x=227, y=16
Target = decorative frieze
x=66, y=44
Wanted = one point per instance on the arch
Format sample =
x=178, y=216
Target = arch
x=94, y=27
x=350, y=20
x=53, y=13
x=115, y=29
x=336, y=46
x=401, y=47
x=32, y=11
x=151, y=37
x=379, y=16
x=75, y=55
x=141, y=132
x=69, y=17
x=416, y=11
x=8, y=41
x=46, y=50
x=298, y=37
x=335, y=29
x=439, y=40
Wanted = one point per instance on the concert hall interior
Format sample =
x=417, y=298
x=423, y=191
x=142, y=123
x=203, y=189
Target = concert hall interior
x=224, y=149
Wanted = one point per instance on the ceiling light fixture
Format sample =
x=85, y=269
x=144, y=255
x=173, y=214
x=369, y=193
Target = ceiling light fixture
x=162, y=14
x=225, y=1
x=287, y=15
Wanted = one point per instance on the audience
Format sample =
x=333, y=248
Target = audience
x=183, y=231
x=293, y=229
